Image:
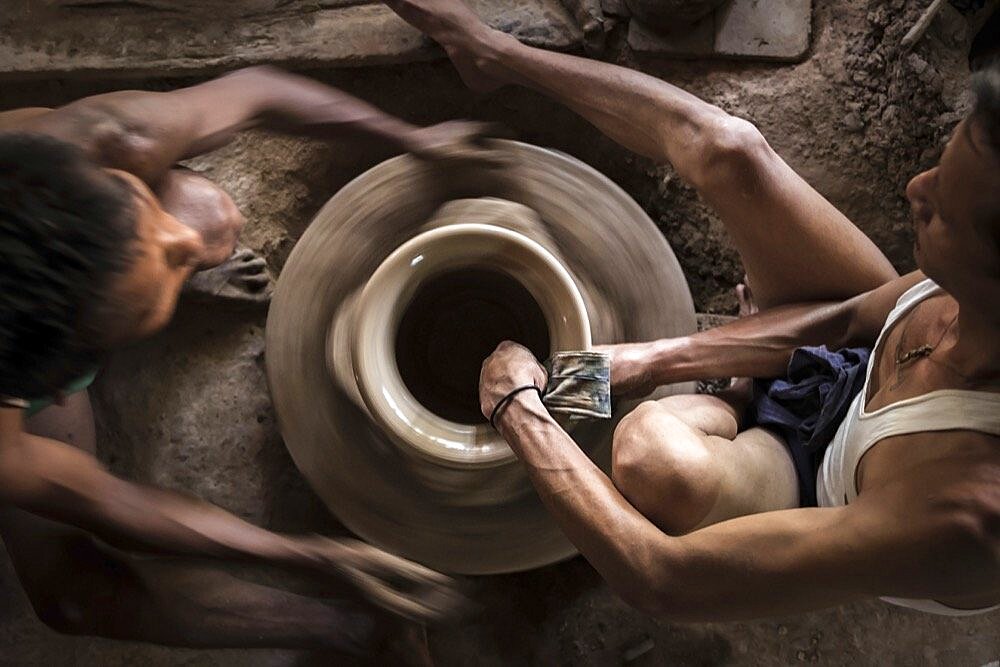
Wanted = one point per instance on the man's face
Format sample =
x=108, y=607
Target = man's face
x=165, y=253
x=956, y=209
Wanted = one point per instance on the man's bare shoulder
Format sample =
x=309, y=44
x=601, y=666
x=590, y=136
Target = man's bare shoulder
x=871, y=309
x=111, y=128
x=946, y=485
x=958, y=468
x=11, y=424
x=12, y=120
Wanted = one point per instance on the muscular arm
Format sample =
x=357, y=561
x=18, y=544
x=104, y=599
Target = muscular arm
x=147, y=132
x=756, y=346
x=891, y=541
x=60, y=482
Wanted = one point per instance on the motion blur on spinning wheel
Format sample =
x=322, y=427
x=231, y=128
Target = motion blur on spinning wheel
x=402, y=285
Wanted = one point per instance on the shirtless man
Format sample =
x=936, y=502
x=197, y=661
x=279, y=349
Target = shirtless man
x=99, y=230
x=700, y=521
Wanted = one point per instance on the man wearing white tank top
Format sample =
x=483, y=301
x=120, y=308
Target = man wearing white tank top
x=701, y=520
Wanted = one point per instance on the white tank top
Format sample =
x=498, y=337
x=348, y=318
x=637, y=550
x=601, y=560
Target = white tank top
x=940, y=410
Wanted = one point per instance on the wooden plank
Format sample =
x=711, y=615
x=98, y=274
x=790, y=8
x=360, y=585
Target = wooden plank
x=117, y=38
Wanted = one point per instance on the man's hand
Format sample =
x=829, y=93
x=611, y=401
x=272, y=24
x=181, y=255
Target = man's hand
x=392, y=583
x=509, y=367
x=631, y=369
x=60, y=482
x=457, y=140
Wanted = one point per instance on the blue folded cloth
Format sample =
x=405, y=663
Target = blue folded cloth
x=807, y=407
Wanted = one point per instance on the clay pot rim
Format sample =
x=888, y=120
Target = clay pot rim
x=408, y=423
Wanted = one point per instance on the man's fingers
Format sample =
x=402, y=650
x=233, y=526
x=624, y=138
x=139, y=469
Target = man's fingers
x=412, y=576
x=483, y=130
x=509, y=345
x=407, y=572
x=255, y=282
x=434, y=605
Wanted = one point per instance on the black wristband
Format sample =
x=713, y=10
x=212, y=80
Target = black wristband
x=507, y=399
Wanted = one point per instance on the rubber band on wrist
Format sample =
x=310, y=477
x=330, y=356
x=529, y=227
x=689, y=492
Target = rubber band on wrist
x=503, y=402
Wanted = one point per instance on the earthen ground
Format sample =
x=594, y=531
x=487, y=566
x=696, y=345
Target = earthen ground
x=190, y=408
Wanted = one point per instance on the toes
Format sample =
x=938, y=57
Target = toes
x=256, y=265
x=260, y=297
x=745, y=299
x=256, y=282
x=257, y=292
x=243, y=255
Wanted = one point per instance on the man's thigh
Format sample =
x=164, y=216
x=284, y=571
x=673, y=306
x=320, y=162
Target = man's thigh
x=795, y=245
x=757, y=475
x=54, y=563
x=72, y=422
x=682, y=464
x=45, y=553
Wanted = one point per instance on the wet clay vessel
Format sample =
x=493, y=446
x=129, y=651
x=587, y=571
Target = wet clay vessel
x=402, y=284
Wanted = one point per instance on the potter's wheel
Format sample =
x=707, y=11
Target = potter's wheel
x=471, y=520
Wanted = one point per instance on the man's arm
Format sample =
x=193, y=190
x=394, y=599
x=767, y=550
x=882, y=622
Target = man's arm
x=145, y=133
x=889, y=542
x=60, y=482
x=756, y=346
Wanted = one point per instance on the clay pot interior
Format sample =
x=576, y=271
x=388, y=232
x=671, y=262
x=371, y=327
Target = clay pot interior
x=454, y=321
x=436, y=308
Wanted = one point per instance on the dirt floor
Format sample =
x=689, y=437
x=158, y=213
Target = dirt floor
x=190, y=409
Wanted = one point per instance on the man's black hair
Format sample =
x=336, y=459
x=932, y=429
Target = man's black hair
x=66, y=228
x=986, y=105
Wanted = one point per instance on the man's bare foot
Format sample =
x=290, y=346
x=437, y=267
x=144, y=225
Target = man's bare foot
x=745, y=298
x=739, y=393
x=242, y=278
x=462, y=35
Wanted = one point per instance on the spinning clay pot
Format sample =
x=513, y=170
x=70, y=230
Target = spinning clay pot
x=405, y=281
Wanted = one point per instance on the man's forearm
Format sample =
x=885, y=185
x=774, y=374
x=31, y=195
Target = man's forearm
x=775, y=562
x=621, y=544
x=64, y=484
x=146, y=133
x=756, y=346
x=300, y=105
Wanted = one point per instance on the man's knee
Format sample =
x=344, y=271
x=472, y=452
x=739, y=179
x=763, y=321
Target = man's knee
x=73, y=586
x=662, y=467
x=206, y=208
x=221, y=220
x=63, y=614
x=730, y=149
x=55, y=596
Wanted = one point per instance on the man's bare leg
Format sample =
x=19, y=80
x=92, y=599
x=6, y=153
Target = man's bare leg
x=794, y=244
x=681, y=462
x=228, y=272
x=79, y=585
x=684, y=464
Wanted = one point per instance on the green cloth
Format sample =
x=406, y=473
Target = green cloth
x=76, y=385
